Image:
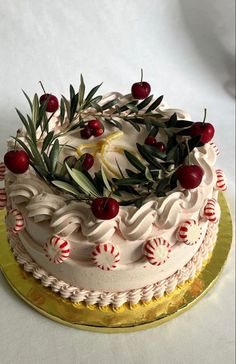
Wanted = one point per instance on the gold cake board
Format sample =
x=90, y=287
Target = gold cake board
x=125, y=318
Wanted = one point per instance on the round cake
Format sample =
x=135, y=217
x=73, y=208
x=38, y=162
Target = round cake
x=111, y=199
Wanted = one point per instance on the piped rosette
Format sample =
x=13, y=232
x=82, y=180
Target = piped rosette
x=189, y=232
x=15, y=221
x=106, y=256
x=157, y=251
x=57, y=249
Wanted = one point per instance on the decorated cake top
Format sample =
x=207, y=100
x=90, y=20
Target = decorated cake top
x=109, y=151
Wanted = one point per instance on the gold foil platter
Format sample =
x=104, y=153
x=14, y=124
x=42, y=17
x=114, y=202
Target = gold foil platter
x=127, y=318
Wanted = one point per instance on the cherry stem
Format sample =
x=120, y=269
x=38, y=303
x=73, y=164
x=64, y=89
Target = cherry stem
x=204, y=117
x=188, y=152
x=41, y=84
x=141, y=75
x=104, y=206
x=15, y=141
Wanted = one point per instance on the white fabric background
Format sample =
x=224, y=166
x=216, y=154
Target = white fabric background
x=187, y=51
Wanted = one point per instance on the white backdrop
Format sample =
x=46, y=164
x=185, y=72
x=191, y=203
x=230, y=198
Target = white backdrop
x=187, y=51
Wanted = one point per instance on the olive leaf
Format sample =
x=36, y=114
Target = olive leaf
x=35, y=109
x=47, y=141
x=28, y=99
x=62, y=111
x=24, y=121
x=145, y=102
x=129, y=181
x=67, y=107
x=91, y=94
x=53, y=156
x=66, y=187
x=105, y=180
x=134, y=161
x=148, y=157
x=155, y=104
x=83, y=182
x=109, y=104
x=81, y=90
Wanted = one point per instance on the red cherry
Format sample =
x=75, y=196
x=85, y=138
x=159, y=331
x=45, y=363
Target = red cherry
x=86, y=133
x=189, y=176
x=98, y=132
x=52, y=102
x=140, y=90
x=94, y=124
x=160, y=146
x=17, y=161
x=150, y=140
x=105, y=208
x=206, y=130
x=88, y=161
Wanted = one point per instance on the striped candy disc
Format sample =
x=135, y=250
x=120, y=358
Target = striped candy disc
x=2, y=171
x=212, y=211
x=157, y=251
x=189, y=232
x=221, y=183
x=15, y=221
x=215, y=148
x=3, y=198
x=57, y=249
x=106, y=256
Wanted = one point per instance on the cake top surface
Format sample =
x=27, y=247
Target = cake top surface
x=112, y=154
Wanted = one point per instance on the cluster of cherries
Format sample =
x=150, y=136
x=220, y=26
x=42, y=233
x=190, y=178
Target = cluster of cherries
x=151, y=140
x=93, y=128
x=106, y=208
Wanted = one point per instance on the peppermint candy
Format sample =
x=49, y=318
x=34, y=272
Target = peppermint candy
x=106, y=256
x=2, y=171
x=157, y=251
x=221, y=183
x=215, y=148
x=189, y=232
x=15, y=221
x=57, y=249
x=3, y=198
x=211, y=211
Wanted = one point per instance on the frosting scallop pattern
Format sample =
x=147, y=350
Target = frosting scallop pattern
x=43, y=206
x=26, y=187
x=136, y=224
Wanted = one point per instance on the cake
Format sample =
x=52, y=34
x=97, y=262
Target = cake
x=111, y=199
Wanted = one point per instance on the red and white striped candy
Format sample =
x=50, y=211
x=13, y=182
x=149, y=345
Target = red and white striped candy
x=2, y=171
x=57, y=249
x=3, y=198
x=157, y=251
x=212, y=211
x=221, y=183
x=15, y=221
x=106, y=256
x=189, y=232
x=216, y=149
